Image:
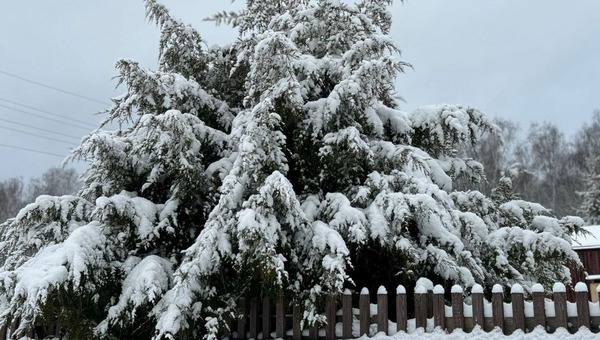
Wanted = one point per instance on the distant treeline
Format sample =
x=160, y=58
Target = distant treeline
x=15, y=193
x=544, y=165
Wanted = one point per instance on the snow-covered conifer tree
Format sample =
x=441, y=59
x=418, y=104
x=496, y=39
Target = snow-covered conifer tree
x=280, y=164
x=590, y=206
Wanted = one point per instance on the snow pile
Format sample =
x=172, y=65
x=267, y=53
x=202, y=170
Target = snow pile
x=539, y=333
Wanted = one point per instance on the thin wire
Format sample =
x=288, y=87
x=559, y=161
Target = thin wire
x=33, y=134
x=37, y=128
x=32, y=150
x=54, y=88
x=48, y=112
x=43, y=117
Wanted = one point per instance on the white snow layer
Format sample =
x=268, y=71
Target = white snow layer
x=539, y=333
x=55, y=265
x=146, y=282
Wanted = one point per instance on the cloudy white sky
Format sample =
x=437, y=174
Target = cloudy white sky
x=535, y=60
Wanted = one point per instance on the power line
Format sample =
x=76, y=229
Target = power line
x=37, y=128
x=32, y=150
x=33, y=134
x=48, y=112
x=54, y=88
x=43, y=117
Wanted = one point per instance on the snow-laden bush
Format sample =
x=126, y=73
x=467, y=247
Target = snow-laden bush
x=279, y=164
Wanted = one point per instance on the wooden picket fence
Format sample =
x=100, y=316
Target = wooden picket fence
x=266, y=319
x=430, y=311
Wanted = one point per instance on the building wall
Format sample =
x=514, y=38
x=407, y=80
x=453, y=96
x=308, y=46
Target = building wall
x=591, y=264
x=591, y=260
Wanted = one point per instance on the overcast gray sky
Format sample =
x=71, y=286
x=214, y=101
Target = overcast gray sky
x=535, y=60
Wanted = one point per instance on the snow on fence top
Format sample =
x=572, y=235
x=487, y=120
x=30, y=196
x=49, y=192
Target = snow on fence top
x=581, y=287
x=590, y=241
x=537, y=288
x=518, y=289
x=478, y=289
x=456, y=289
x=559, y=288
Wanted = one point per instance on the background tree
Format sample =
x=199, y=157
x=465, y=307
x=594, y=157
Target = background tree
x=11, y=197
x=496, y=152
x=587, y=141
x=547, y=155
x=54, y=182
x=15, y=193
x=587, y=157
x=590, y=206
